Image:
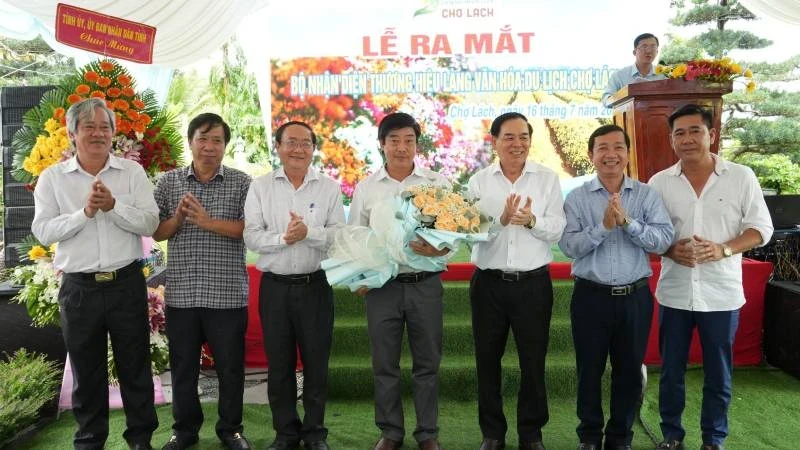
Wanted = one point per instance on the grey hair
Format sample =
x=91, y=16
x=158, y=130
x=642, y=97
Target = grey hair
x=84, y=110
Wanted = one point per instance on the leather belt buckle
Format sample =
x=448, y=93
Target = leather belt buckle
x=104, y=277
x=305, y=279
x=509, y=276
x=620, y=290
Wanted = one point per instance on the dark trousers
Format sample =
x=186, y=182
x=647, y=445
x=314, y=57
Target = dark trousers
x=609, y=326
x=524, y=306
x=90, y=312
x=717, y=330
x=390, y=310
x=187, y=330
x=292, y=316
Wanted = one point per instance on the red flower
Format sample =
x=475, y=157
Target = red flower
x=98, y=94
x=107, y=66
x=74, y=98
x=123, y=80
x=128, y=92
x=58, y=113
x=104, y=82
x=114, y=92
x=82, y=89
x=138, y=104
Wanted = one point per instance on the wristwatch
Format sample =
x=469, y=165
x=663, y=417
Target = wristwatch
x=626, y=222
x=532, y=223
x=726, y=251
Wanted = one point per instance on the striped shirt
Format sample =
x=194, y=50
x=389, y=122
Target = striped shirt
x=205, y=269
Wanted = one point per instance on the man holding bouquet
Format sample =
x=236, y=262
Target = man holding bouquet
x=412, y=299
x=290, y=217
x=512, y=287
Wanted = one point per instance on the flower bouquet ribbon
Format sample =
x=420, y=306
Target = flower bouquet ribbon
x=371, y=256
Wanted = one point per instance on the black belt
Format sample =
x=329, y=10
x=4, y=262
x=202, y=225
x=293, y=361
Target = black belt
x=414, y=277
x=516, y=276
x=300, y=278
x=624, y=289
x=105, y=277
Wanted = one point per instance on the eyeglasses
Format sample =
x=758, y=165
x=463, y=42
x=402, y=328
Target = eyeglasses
x=647, y=47
x=304, y=145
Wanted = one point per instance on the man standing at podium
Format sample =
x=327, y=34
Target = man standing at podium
x=645, y=49
x=718, y=212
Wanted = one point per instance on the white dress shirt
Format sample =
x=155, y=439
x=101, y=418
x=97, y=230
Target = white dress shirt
x=515, y=247
x=266, y=217
x=730, y=203
x=108, y=241
x=380, y=186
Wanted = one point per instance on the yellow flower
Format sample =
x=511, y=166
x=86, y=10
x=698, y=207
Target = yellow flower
x=678, y=71
x=748, y=73
x=659, y=69
x=53, y=247
x=751, y=86
x=37, y=252
x=736, y=68
x=146, y=271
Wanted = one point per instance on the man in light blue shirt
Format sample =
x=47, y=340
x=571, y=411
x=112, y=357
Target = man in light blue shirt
x=613, y=222
x=645, y=49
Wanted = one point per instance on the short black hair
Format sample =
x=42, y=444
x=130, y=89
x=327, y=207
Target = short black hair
x=207, y=121
x=608, y=129
x=644, y=36
x=502, y=118
x=396, y=121
x=690, y=110
x=280, y=130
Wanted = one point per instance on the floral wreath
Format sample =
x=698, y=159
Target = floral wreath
x=145, y=133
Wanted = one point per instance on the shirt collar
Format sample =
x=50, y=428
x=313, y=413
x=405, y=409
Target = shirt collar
x=72, y=165
x=530, y=167
x=310, y=174
x=190, y=172
x=720, y=166
x=418, y=171
x=635, y=71
x=596, y=185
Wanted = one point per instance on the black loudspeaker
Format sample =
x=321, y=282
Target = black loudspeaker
x=18, y=198
x=781, y=333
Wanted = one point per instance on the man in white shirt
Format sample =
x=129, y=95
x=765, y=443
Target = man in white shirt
x=290, y=217
x=512, y=286
x=645, y=49
x=98, y=207
x=718, y=212
x=412, y=299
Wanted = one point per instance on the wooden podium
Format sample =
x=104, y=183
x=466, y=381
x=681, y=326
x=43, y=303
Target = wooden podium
x=642, y=109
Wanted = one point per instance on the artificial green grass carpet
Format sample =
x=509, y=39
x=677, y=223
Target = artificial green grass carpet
x=764, y=412
x=351, y=427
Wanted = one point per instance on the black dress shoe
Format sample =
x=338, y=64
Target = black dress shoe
x=492, y=444
x=618, y=447
x=140, y=446
x=670, y=444
x=430, y=444
x=282, y=445
x=531, y=446
x=317, y=445
x=175, y=443
x=234, y=441
x=712, y=447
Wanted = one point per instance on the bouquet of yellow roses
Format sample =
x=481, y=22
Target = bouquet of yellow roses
x=371, y=256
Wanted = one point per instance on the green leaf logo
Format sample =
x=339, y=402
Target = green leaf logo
x=428, y=6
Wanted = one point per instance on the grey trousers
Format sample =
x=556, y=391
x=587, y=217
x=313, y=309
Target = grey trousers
x=391, y=309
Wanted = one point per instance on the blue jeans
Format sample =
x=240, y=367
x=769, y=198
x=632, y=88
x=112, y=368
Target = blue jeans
x=716, y=330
